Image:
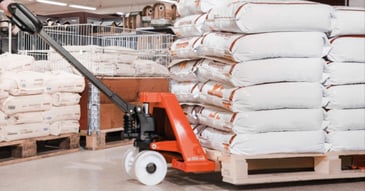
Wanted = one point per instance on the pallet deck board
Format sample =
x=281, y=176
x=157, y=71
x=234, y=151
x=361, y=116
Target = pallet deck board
x=104, y=139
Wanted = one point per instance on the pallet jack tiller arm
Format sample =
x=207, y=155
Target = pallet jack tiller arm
x=184, y=151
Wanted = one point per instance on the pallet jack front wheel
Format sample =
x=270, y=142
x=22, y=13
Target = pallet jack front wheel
x=128, y=160
x=150, y=167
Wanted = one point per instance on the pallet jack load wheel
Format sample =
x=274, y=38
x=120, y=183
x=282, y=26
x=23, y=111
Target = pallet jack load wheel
x=150, y=167
x=128, y=160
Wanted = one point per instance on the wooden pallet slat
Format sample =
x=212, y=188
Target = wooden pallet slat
x=106, y=138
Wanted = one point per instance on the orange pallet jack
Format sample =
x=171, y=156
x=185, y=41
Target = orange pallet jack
x=161, y=131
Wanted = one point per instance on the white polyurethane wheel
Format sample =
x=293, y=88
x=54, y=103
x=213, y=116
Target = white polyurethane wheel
x=128, y=160
x=150, y=167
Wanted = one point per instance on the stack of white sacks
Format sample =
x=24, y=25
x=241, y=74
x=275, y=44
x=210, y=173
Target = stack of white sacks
x=258, y=89
x=34, y=104
x=345, y=81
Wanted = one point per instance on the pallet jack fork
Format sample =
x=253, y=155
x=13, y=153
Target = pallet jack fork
x=157, y=140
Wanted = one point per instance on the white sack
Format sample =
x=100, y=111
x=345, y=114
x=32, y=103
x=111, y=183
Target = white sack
x=192, y=25
x=28, y=117
x=4, y=91
x=345, y=119
x=64, y=82
x=345, y=97
x=347, y=49
x=346, y=140
x=214, y=138
x=4, y=118
x=24, y=131
x=62, y=127
x=16, y=104
x=348, y=21
x=185, y=48
x=341, y=73
x=41, y=66
x=183, y=70
x=298, y=95
x=149, y=68
x=15, y=62
x=62, y=99
x=190, y=7
x=24, y=82
x=239, y=48
x=71, y=112
x=261, y=71
x=185, y=91
x=191, y=112
x=270, y=16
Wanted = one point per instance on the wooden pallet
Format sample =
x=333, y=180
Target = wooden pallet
x=104, y=139
x=258, y=169
x=40, y=147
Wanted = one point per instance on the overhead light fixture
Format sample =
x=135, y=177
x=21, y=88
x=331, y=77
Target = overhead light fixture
x=83, y=7
x=51, y=2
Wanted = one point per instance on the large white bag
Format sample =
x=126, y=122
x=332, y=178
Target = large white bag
x=348, y=21
x=347, y=49
x=192, y=25
x=214, y=138
x=4, y=118
x=346, y=140
x=15, y=104
x=270, y=16
x=71, y=112
x=15, y=62
x=345, y=97
x=190, y=7
x=24, y=82
x=239, y=48
x=261, y=71
x=341, y=73
x=183, y=70
x=62, y=99
x=293, y=95
x=185, y=48
x=64, y=82
x=345, y=119
x=24, y=131
x=66, y=126
x=27, y=117
x=185, y=91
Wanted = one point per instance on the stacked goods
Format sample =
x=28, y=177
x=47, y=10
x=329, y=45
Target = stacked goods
x=345, y=81
x=35, y=104
x=252, y=84
x=107, y=61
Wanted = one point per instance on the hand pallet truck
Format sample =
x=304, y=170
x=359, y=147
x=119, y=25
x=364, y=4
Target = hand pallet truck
x=161, y=131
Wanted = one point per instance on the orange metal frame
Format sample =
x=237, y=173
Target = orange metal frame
x=186, y=143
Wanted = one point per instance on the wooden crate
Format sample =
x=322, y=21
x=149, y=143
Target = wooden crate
x=258, y=169
x=104, y=139
x=40, y=147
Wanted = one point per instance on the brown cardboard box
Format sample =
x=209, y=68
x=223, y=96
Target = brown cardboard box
x=128, y=89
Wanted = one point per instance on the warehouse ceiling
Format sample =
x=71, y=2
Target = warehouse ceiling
x=102, y=6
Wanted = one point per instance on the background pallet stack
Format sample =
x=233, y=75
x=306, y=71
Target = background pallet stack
x=345, y=81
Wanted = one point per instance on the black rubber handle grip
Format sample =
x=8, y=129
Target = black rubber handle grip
x=24, y=18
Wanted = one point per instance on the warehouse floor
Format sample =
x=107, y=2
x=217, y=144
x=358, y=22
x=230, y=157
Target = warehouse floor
x=102, y=171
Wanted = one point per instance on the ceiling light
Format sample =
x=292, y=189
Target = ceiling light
x=83, y=7
x=52, y=2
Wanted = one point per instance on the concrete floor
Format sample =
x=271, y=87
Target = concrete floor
x=102, y=171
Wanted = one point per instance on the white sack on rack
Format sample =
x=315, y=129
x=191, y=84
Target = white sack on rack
x=262, y=121
x=240, y=47
x=270, y=16
x=149, y=68
x=71, y=112
x=64, y=82
x=279, y=142
x=190, y=7
x=348, y=21
x=291, y=95
x=183, y=70
x=261, y=71
x=15, y=62
x=192, y=25
x=24, y=131
x=345, y=119
x=345, y=97
x=16, y=104
x=347, y=49
x=63, y=99
x=24, y=82
x=341, y=73
x=185, y=91
x=185, y=48
x=346, y=140
x=62, y=127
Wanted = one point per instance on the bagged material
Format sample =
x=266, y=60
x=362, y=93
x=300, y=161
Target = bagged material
x=192, y=25
x=62, y=127
x=191, y=112
x=41, y=66
x=341, y=73
x=345, y=119
x=62, y=99
x=240, y=48
x=299, y=95
x=4, y=119
x=347, y=49
x=149, y=68
x=183, y=70
x=16, y=104
x=346, y=140
x=24, y=131
x=15, y=62
x=348, y=21
x=185, y=91
x=28, y=117
x=261, y=71
x=4, y=91
x=64, y=82
x=190, y=7
x=270, y=16
x=185, y=48
x=214, y=138
x=345, y=97
x=24, y=82
x=71, y=112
